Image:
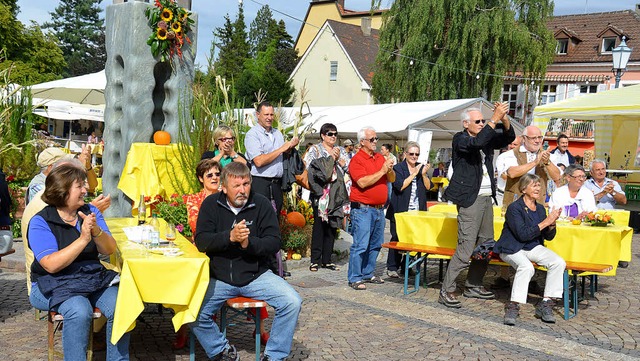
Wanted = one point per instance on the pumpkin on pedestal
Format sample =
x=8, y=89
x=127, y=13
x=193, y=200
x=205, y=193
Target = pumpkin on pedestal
x=296, y=218
x=161, y=137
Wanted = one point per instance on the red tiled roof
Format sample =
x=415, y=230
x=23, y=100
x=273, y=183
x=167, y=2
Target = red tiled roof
x=589, y=27
x=360, y=48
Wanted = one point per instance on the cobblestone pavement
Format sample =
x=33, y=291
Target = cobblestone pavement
x=381, y=323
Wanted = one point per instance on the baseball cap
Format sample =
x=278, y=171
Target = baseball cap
x=51, y=155
x=347, y=142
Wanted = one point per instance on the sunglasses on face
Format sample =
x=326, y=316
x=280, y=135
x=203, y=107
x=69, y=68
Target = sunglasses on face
x=210, y=175
x=478, y=121
x=332, y=134
x=414, y=154
x=227, y=139
x=374, y=139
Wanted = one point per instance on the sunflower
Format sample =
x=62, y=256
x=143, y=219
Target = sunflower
x=161, y=33
x=176, y=27
x=166, y=14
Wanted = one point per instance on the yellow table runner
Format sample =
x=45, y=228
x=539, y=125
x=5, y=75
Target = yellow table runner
x=178, y=283
x=573, y=243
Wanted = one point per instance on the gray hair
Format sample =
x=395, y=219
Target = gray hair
x=361, y=133
x=411, y=144
x=572, y=168
x=527, y=179
x=465, y=117
x=599, y=161
x=234, y=170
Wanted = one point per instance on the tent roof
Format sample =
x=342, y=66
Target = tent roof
x=63, y=110
x=618, y=103
x=83, y=89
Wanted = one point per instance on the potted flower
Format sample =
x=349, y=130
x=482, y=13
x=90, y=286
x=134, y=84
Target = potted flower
x=295, y=241
x=174, y=210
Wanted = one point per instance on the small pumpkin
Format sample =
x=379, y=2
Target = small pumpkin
x=296, y=218
x=296, y=256
x=161, y=137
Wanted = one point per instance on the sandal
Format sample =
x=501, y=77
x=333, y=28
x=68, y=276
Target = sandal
x=331, y=266
x=313, y=267
x=375, y=279
x=358, y=286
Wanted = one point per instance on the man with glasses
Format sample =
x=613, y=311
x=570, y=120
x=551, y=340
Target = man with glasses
x=529, y=158
x=264, y=148
x=561, y=153
x=370, y=172
x=473, y=189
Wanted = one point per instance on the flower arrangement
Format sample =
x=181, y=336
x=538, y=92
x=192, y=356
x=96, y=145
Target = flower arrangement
x=172, y=210
x=170, y=25
x=598, y=219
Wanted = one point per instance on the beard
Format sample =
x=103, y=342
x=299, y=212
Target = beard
x=239, y=201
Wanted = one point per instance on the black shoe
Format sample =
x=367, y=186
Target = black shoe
x=479, y=292
x=286, y=274
x=511, y=313
x=230, y=354
x=449, y=299
x=623, y=264
x=265, y=358
x=544, y=310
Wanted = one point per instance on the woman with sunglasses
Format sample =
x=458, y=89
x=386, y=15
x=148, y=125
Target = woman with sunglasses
x=409, y=192
x=326, y=156
x=224, y=152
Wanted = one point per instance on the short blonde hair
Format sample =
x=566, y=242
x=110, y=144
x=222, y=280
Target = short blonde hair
x=220, y=132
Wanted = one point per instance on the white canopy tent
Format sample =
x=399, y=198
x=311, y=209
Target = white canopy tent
x=83, y=89
x=393, y=121
x=64, y=110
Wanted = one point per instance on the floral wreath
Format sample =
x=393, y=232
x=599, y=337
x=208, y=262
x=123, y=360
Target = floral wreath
x=170, y=24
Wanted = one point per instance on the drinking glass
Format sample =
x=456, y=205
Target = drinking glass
x=171, y=232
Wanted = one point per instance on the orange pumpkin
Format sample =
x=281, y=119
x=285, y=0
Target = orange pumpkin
x=296, y=218
x=161, y=137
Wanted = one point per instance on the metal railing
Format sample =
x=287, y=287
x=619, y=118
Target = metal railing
x=581, y=129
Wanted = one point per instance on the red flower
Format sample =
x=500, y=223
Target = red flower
x=147, y=199
x=11, y=178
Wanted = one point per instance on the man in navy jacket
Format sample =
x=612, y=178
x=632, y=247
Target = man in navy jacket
x=473, y=190
x=239, y=231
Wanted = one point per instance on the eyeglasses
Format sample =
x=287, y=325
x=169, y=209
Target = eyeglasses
x=478, y=121
x=210, y=175
x=580, y=177
x=534, y=138
x=227, y=139
x=374, y=139
x=332, y=134
x=414, y=154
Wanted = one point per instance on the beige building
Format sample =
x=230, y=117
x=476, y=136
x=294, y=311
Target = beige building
x=337, y=67
x=322, y=10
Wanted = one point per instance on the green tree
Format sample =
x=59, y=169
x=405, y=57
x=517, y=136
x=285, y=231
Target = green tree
x=443, y=49
x=261, y=74
x=233, y=46
x=78, y=26
x=261, y=30
x=33, y=56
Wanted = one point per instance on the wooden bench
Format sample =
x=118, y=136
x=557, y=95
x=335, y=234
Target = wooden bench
x=570, y=295
x=424, y=252
x=11, y=251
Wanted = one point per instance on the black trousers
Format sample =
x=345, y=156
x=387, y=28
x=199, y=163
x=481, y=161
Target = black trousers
x=394, y=258
x=323, y=237
x=270, y=188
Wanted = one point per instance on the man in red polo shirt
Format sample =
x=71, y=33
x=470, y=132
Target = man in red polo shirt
x=370, y=172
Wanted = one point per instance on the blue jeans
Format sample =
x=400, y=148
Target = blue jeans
x=268, y=287
x=77, y=312
x=368, y=235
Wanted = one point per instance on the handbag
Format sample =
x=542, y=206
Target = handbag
x=303, y=179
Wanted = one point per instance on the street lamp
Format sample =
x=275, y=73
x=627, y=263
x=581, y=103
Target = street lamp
x=621, y=56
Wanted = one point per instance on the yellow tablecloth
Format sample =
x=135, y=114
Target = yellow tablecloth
x=573, y=243
x=176, y=282
x=149, y=169
x=621, y=218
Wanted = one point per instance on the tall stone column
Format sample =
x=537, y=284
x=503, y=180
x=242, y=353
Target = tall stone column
x=142, y=94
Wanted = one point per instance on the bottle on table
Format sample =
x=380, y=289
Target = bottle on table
x=154, y=231
x=142, y=211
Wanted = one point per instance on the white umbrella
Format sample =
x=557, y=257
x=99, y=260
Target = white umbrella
x=63, y=110
x=84, y=89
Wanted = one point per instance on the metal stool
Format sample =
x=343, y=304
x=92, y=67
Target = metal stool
x=54, y=320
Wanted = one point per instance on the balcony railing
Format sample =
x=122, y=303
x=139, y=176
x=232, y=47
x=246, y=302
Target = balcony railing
x=575, y=129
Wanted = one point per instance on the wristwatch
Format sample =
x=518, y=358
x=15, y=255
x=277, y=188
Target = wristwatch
x=613, y=194
x=492, y=121
x=234, y=156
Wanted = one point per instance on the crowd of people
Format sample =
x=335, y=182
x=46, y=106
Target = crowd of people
x=234, y=218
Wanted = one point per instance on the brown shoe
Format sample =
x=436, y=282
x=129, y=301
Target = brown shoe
x=449, y=299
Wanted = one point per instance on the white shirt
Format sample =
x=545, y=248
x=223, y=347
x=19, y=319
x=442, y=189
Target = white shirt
x=510, y=159
x=584, y=200
x=557, y=157
x=501, y=168
x=607, y=201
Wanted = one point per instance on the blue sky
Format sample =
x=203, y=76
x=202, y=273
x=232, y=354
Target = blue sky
x=211, y=13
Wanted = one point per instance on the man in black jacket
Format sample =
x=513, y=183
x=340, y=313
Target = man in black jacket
x=239, y=231
x=473, y=190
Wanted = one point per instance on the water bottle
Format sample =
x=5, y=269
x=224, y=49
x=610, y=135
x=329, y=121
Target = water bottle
x=142, y=211
x=154, y=232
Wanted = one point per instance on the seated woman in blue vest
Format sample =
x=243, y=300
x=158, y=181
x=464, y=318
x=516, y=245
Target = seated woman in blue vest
x=525, y=228
x=66, y=238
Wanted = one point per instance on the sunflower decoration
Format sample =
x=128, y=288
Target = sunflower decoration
x=170, y=25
